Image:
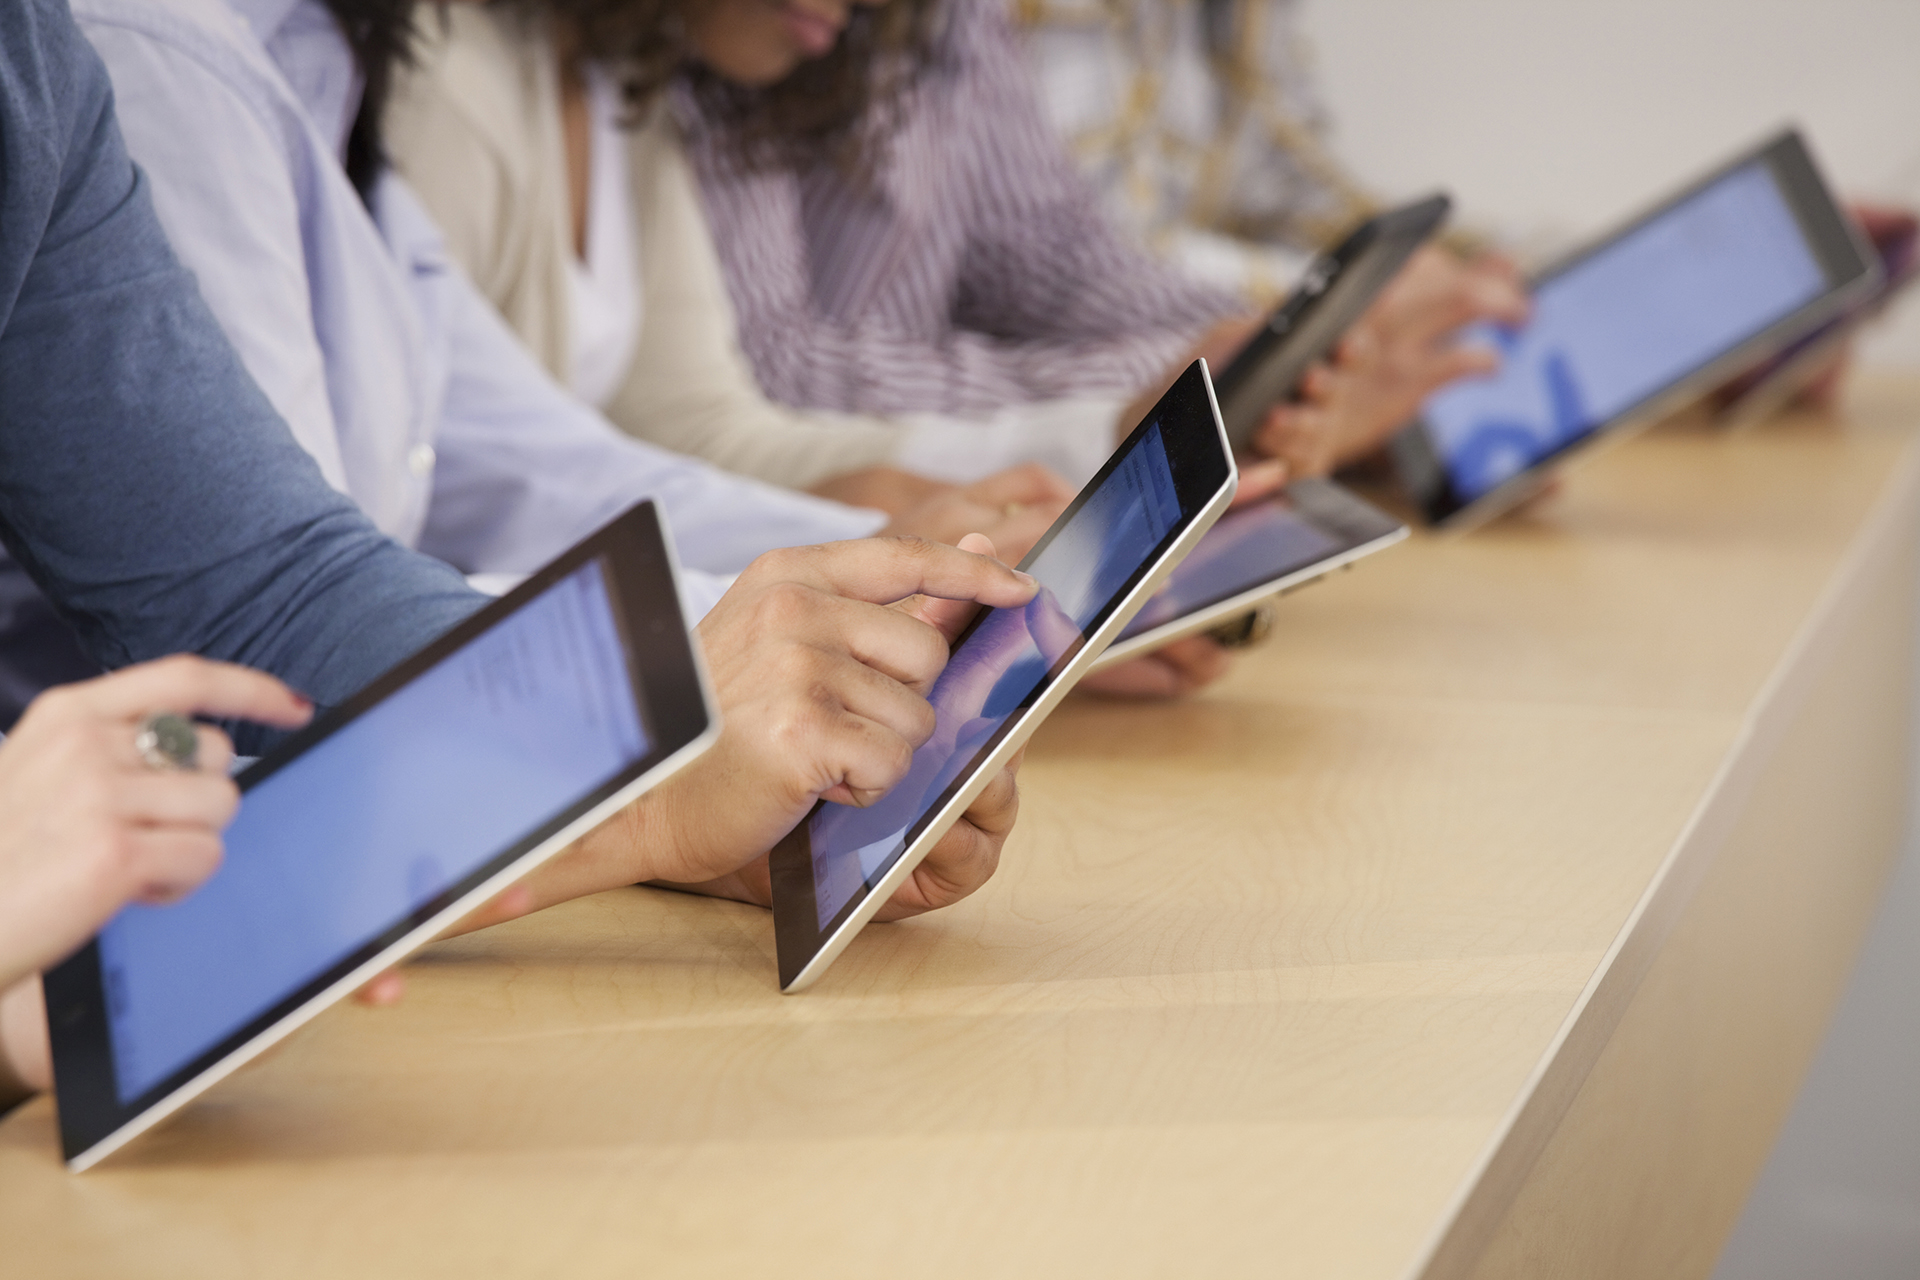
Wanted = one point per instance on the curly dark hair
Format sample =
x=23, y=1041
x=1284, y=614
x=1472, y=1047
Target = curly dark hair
x=380, y=34
x=837, y=107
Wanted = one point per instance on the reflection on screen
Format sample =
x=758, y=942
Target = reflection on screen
x=1626, y=323
x=1002, y=666
x=1244, y=550
x=376, y=821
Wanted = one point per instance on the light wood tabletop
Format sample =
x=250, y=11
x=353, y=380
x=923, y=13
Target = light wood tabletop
x=1482, y=923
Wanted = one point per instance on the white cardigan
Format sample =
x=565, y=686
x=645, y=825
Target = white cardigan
x=474, y=126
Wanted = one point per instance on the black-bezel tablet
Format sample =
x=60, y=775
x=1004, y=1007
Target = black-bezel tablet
x=1835, y=244
x=1771, y=385
x=1204, y=479
x=675, y=711
x=1336, y=288
x=1350, y=529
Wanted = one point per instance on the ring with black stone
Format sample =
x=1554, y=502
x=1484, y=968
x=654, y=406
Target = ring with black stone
x=168, y=741
x=1247, y=630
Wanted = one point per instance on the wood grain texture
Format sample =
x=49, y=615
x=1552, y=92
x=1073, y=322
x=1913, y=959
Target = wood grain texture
x=1261, y=986
x=1651, y=1117
x=1647, y=1170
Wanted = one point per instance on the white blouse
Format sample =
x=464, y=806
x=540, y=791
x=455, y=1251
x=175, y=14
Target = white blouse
x=606, y=299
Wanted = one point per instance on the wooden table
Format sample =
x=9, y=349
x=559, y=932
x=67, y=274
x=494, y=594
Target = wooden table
x=1481, y=925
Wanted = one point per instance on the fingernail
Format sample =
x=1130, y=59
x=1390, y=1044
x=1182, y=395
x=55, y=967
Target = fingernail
x=1027, y=578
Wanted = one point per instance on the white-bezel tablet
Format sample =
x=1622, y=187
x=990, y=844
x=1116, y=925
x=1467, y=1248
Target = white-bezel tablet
x=1636, y=324
x=1265, y=549
x=391, y=817
x=1149, y=506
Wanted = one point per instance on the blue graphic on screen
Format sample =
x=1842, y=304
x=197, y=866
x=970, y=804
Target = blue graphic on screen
x=375, y=822
x=1002, y=666
x=1246, y=549
x=1624, y=324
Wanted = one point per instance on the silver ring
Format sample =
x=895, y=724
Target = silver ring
x=168, y=741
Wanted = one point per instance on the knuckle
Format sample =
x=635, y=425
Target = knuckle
x=787, y=561
x=895, y=755
x=800, y=668
x=781, y=565
x=59, y=705
x=795, y=724
x=925, y=667
x=787, y=603
x=924, y=719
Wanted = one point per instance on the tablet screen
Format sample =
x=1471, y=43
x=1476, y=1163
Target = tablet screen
x=1622, y=324
x=1244, y=550
x=378, y=823
x=1003, y=662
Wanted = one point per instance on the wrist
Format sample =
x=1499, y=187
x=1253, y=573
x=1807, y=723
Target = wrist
x=25, y=1059
x=674, y=837
x=13, y=1089
x=660, y=839
x=752, y=884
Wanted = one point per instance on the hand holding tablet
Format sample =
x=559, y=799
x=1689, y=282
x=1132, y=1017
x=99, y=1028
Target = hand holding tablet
x=1729, y=270
x=91, y=825
x=822, y=657
x=496, y=748
x=1256, y=551
x=1138, y=518
x=1336, y=289
x=392, y=816
x=1400, y=351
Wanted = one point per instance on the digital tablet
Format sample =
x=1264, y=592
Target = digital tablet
x=1302, y=533
x=1731, y=269
x=1770, y=385
x=1333, y=292
x=1148, y=506
x=386, y=820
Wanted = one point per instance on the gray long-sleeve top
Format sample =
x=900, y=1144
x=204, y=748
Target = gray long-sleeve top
x=145, y=482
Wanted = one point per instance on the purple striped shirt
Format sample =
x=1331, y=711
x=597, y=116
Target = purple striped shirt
x=976, y=272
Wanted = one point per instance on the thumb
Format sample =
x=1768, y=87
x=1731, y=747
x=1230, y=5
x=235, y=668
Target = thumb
x=950, y=617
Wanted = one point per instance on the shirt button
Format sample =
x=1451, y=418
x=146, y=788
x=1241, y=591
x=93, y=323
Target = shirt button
x=420, y=460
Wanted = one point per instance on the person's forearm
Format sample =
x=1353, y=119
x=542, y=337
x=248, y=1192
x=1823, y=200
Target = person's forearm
x=752, y=884
x=178, y=514
x=634, y=846
x=25, y=1062
x=13, y=1090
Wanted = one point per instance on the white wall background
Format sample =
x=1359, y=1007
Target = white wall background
x=1550, y=119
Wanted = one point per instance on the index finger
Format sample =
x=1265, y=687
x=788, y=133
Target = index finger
x=885, y=570
x=195, y=686
x=946, y=616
